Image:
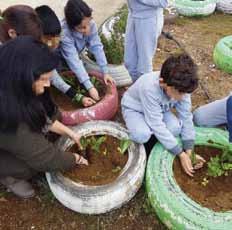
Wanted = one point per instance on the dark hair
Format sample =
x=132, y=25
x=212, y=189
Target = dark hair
x=75, y=11
x=22, y=61
x=23, y=19
x=180, y=71
x=49, y=20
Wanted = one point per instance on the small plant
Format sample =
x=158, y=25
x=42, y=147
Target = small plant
x=124, y=145
x=220, y=165
x=193, y=158
x=93, y=142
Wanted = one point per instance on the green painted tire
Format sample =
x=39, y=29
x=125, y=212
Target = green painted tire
x=222, y=54
x=175, y=209
x=195, y=8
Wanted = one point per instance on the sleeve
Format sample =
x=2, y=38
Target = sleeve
x=229, y=116
x=59, y=83
x=183, y=109
x=155, y=3
x=96, y=48
x=70, y=54
x=37, y=152
x=154, y=118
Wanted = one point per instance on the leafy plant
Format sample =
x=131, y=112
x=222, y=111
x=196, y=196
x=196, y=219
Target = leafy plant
x=124, y=145
x=193, y=158
x=220, y=165
x=93, y=142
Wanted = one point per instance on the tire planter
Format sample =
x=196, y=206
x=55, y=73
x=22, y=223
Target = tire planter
x=222, y=55
x=225, y=6
x=105, y=109
x=100, y=199
x=195, y=8
x=118, y=72
x=174, y=207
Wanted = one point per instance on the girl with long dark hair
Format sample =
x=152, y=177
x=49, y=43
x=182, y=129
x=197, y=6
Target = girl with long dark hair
x=27, y=114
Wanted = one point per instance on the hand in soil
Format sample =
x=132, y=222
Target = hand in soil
x=76, y=138
x=94, y=94
x=88, y=101
x=186, y=163
x=80, y=160
x=200, y=162
x=108, y=79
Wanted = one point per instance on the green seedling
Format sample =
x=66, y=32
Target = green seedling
x=117, y=169
x=124, y=145
x=193, y=158
x=96, y=143
x=205, y=181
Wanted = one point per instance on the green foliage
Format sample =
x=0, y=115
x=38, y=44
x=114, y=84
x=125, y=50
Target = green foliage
x=93, y=142
x=193, y=158
x=220, y=165
x=124, y=145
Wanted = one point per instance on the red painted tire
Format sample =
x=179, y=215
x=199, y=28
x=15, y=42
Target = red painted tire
x=105, y=109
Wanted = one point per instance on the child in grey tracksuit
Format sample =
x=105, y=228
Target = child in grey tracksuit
x=147, y=105
x=144, y=25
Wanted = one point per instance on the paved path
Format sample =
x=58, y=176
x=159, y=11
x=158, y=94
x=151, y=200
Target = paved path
x=102, y=8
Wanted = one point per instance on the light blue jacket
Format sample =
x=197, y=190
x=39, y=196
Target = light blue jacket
x=145, y=8
x=73, y=43
x=147, y=97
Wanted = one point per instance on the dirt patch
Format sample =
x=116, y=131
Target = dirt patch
x=199, y=37
x=67, y=104
x=104, y=166
x=217, y=194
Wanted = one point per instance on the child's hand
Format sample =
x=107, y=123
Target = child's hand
x=199, y=160
x=186, y=163
x=108, y=79
x=80, y=160
x=88, y=101
x=94, y=94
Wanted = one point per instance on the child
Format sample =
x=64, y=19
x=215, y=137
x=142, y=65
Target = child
x=51, y=36
x=80, y=31
x=147, y=104
x=215, y=113
x=144, y=25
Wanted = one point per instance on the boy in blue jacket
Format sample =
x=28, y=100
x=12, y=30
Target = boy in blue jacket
x=147, y=105
x=216, y=113
x=144, y=25
x=80, y=31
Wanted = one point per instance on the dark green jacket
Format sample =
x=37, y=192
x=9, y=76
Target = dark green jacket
x=35, y=150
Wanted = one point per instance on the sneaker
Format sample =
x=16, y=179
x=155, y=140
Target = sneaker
x=20, y=188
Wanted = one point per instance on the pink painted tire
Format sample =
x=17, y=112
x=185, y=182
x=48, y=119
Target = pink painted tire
x=105, y=109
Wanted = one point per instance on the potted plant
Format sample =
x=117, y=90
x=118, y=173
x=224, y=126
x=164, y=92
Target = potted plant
x=115, y=172
x=73, y=114
x=182, y=202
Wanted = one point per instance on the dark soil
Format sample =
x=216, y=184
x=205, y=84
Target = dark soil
x=199, y=36
x=217, y=194
x=104, y=167
x=66, y=104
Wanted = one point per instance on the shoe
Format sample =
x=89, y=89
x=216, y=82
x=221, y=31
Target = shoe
x=20, y=188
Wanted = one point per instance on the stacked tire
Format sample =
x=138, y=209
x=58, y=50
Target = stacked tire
x=222, y=55
x=104, y=198
x=175, y=209
x=225, y=6
x=193, y=8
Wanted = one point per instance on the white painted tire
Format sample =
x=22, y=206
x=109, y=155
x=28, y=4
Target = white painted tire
x=118, y=72
x=100, y=199
x=195, y=8
x=225, y=6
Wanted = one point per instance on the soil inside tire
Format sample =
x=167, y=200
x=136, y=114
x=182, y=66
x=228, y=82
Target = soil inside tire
x=65, y=103
x=104, y=167
x=217, y=194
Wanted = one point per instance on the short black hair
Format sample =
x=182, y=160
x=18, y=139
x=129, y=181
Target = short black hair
x=75, y=11
x=49, y=20
x=180, y=71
